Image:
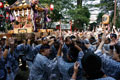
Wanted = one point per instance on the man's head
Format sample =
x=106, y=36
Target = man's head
x=113, y=36
x=116, y=52
x=25, y=41
x=92, y=65
x=107, y=41
x=92, y=40
x=3, y=40
x=45, y=50
x=87, y=43
x=68, y=40
x=72, y=54
x=44, y=41
x=56, y=43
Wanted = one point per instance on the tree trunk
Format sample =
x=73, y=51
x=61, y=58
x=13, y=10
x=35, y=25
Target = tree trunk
x=79, y=3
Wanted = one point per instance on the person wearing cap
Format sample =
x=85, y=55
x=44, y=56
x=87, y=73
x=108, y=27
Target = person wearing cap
x=111, y=66
x=42, y=66
x=36, y=49
x=89, y=46
x=65, y=66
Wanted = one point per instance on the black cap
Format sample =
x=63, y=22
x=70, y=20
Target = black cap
x=45, y=47
x=44, y=38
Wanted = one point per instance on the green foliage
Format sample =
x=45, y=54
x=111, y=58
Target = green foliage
x=80, y=15
x=118, y=19
x=60, y=8
x=99, y=17
x=55, y=15
x=59, y=4
x=106, y=6
x=11, y=1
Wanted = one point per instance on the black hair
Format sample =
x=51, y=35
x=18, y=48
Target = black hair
x=19, y=42
x=56, y=44
x=66, y=39
x=46, y=46
x=92, y=40
x=72, y=37
x=44, y=38
x=92, y=64
x=111, y=47
x=113, y=35
x=73, y=53
x=52, y=37
x=43, y=47
x=3, y=39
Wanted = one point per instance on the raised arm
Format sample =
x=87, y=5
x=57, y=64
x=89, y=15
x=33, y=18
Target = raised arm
x=114, y=28
x=60, y=49
x=51, y=42
x=74, y=76
x=102, y=42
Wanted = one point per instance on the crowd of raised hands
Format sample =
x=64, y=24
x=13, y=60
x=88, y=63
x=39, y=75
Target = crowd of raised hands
x=62, y=55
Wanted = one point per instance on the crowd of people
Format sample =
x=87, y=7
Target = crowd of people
x=64, y=55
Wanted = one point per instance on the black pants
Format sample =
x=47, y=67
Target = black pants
x=23, y=61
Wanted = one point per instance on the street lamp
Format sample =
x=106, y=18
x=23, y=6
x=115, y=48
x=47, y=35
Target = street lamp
x=51, y=7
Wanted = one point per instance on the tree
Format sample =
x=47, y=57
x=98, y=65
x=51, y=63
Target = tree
x=99, y=17
x=80, y=14
x=62, y=6
x=106, y=6
x=10, y=2
x=79, y=3
x=3, y=21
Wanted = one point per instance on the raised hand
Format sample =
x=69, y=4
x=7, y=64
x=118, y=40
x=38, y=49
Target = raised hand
x=76, y=65
x=113, y=27
x=104, y=37
x=61, y=42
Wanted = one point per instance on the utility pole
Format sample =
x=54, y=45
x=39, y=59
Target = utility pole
x=114, y=22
